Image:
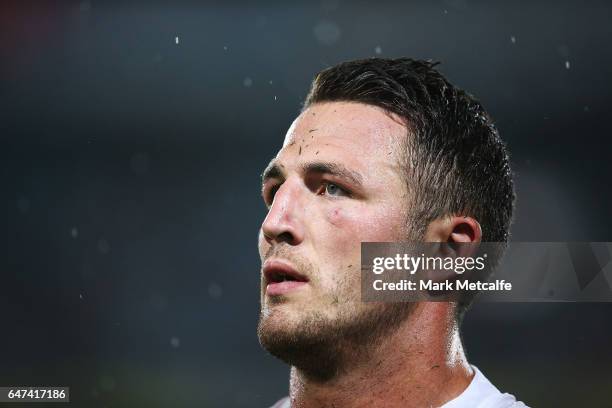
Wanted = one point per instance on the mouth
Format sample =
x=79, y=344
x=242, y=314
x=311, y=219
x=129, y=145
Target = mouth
x=281, y=278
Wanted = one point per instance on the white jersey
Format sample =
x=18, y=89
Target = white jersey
x=479, y=394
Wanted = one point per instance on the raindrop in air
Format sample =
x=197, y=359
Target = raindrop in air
x=103, y=246
x=215, y=291
x=85, y=6
x=23, y=204
x=140, y=163
x=107, y=383
x=327, y=32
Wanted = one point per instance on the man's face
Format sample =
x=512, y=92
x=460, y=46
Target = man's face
x=336, y=182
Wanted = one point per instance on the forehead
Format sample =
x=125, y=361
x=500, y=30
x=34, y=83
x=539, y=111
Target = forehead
x=360, y=135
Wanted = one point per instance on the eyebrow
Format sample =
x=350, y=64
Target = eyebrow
x=274, y=171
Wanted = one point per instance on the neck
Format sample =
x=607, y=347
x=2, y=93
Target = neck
x=422, y=364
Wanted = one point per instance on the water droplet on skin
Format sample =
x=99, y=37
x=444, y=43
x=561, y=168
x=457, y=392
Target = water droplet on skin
x=567, y=65
x=176, y=40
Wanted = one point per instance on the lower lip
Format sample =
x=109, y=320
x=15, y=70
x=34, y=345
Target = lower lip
x=281, y=288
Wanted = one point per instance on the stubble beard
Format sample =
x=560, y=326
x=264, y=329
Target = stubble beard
x=323, y=347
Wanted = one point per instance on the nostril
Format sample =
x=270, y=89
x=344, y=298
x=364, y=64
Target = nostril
x=286, y=237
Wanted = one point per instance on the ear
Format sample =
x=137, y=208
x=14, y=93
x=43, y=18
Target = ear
x=453, y=229
x=458, y=236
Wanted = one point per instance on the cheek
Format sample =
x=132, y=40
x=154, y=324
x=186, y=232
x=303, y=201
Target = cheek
x=351, y=225
x=336, y=217
x=347, y=225
x=344, y=232
x=360, y=225
x=340, y=237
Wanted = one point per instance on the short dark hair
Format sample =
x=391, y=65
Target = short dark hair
x=456, y=163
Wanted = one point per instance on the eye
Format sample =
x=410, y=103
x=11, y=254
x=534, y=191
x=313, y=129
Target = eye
x=272, y=193
x=335, y=190
x=269, y=194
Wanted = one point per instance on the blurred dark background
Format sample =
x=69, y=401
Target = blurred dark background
x=133, y=138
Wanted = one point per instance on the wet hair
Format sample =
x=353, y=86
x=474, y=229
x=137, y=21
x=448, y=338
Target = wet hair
x=455, y=160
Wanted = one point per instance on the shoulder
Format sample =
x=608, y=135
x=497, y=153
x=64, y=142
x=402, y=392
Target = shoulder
x=481, y=393
x=504, y=400
x=283, y=403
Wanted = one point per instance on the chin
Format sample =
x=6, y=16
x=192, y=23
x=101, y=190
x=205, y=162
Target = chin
x=279, y=317
x=298, y=343
x=321, y=344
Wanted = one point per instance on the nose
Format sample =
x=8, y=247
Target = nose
x=284, y=222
